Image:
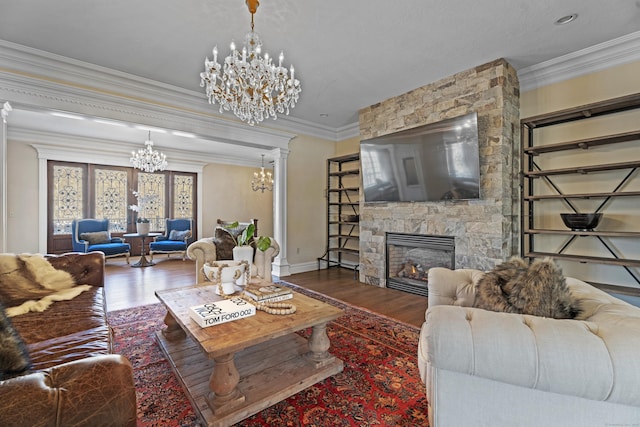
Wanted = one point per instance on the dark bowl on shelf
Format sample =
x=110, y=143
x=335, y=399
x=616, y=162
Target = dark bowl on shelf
x=350, y=218
x=581, y=221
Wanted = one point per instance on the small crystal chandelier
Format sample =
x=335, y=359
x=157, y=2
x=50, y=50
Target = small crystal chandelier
x=251, y=86
x=147, y=159
x=262, y=180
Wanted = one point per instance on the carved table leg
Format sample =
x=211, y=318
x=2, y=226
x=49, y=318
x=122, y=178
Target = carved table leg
x=223, y=383
x=173, y=330
x=319, y=346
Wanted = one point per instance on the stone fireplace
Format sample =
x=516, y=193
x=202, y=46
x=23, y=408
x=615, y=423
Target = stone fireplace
x=410, y=256
x=485, y=231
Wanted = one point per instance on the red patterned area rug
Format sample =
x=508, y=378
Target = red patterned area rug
x=380, y=384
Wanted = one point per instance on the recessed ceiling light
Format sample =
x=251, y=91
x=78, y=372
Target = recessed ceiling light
x=566, y=19
x=67, y=116
x=183, y=134
x=324, y=115
x=147, y=128
x=109, y=122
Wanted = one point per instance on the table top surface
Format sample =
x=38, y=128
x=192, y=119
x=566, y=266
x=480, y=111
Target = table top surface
x=236, y=335
x=142, y=235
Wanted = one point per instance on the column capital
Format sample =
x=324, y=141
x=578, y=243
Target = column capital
x=4, y=112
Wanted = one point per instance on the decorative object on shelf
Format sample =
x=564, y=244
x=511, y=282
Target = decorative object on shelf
x=143, y=224
x=262, y=180
x=230, y=276
x=147, y=159
x=581, y=221
x=250, y=85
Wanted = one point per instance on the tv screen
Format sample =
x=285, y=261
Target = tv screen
x=438, y=161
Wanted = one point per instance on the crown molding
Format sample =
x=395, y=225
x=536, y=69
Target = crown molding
x=71, y=85
x=619, y=51
x=66, y=147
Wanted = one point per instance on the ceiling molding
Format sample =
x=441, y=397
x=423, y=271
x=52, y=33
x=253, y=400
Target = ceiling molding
x=622, y=50
x=65, y=147
x=71, y=85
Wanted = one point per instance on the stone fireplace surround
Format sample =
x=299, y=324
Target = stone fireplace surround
x=486, y=230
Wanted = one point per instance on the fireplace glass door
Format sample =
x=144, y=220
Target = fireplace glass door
x=410, y=256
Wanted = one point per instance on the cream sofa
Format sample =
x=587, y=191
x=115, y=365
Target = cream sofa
x=483, y=368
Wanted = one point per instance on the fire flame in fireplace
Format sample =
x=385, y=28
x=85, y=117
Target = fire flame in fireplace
x=413, y=270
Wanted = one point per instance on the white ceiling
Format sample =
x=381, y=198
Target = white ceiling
x=348, y=54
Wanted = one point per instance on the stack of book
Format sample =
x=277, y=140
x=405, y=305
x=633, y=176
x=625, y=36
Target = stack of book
x=268, y=293
x=218, y=312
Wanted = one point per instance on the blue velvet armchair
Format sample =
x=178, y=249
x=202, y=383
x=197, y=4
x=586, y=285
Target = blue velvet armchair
x=89, y=235
x=178, y=234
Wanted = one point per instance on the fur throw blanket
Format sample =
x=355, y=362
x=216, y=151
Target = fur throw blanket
x=539, y=289
x=30, y=283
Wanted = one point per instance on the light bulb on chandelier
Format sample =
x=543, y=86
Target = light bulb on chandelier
x=147, y=159
x=262, y=180
x=251, y=86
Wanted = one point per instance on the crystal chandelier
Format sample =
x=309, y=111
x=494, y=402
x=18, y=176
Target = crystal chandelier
x=262, y=180
x=250, y=85
x=147, y=159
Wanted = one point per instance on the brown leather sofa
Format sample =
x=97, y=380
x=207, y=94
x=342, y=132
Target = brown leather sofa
x=75, y=380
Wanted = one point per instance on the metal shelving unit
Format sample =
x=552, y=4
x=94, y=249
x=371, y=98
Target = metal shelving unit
x=532, y=171
x=343, y=213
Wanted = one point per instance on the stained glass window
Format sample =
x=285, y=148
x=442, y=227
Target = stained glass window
x=183, y=196
x=111, y=198
x=67, y=185
x=97, y=191
x=151, y=186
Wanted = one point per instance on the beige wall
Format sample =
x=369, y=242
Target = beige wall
x=307, y=210
x=22, y=198
x=227, y=195
x=610, y=83
x=348, y=146
x=620, y=214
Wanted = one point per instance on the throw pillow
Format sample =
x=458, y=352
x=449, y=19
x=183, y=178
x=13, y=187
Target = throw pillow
x=96, y=237
x=224, y=243
x=538, y=289
x=179, y=235
x=14, y=357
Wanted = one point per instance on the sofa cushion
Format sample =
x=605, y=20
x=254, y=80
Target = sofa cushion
x=96, y=237
x=224, y=242
x=179, y=235
x=14, y=357
x=537, y=289
x=74, y=329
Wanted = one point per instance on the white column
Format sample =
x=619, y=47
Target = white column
x=280, y=266
x=4, y=112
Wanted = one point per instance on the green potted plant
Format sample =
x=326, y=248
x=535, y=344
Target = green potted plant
x=244, y=245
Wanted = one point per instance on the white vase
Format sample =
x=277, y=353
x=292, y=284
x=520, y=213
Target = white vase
x=143, y=228
x=232, y=274
x=245, y=253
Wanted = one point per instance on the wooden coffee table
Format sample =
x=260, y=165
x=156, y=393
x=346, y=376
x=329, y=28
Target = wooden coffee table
x=236, y=369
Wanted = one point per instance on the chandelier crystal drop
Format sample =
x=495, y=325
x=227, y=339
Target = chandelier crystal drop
x=262, y=180
x=147, y=159
x=250, y=85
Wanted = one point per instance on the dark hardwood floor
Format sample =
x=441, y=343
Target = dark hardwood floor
x=127, y=287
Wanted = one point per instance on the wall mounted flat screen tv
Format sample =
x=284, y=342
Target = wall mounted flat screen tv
x=438, y=161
